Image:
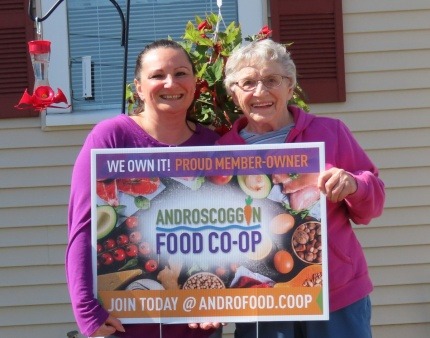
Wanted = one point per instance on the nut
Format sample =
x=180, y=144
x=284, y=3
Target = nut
x=306, y=242
x=315, y=280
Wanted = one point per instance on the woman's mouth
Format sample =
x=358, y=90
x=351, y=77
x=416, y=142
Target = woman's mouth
x=171, y=97
x=262, y=105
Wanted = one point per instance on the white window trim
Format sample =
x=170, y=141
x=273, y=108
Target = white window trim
x=252, y=16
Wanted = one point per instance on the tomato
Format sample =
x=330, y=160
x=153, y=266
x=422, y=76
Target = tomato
x=119, y=255
x=131, y=222
x=138, y=186
x=151, y=265
x=144, y=248
x=283, y=261
x=131, y=250
x=99, y=248
x=135, y=237
x=220, y=179
x=106, y=258
x=122, y=239
x=109, y=244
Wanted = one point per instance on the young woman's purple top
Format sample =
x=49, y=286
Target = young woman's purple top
x=118, y=132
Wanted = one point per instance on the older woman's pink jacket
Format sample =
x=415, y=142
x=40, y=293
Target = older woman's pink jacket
x=349, y=278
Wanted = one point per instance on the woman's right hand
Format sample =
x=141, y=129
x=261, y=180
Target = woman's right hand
x=109, y=327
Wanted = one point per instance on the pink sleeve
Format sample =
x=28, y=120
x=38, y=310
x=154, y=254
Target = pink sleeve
x=368, y=201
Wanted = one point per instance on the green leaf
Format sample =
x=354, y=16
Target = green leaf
x=130, y=264
x=215, y=71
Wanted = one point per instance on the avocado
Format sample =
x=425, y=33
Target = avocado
x=106, y=220
x=256, y=186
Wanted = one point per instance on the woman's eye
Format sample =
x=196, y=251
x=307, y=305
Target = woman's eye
x=271, y=81
x=248, y=83
x=157, y=77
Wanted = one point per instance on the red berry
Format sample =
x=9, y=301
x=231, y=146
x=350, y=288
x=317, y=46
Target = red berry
x=99, y=248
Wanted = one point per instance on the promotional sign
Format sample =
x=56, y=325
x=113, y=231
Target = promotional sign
x=220, y=234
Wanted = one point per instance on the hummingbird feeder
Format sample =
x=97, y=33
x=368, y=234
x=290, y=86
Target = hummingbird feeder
x=43, y=95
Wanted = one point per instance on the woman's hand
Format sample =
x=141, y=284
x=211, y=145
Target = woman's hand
x=206, y=325
x=336, y=184
x=109, y=327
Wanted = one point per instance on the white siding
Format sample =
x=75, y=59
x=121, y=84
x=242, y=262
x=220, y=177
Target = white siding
x=35, y=169
x=387, y=60
x=387, y=57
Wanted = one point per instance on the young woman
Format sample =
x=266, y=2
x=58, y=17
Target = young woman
x=165, y=82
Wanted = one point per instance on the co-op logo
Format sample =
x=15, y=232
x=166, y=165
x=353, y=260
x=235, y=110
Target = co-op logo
x=214, y=242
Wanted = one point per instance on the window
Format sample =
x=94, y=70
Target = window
x=16, y=73
x=251, y=14
x=95, y=32
x=315, y=29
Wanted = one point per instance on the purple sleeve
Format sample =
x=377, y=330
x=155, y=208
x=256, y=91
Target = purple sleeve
x=88, y=312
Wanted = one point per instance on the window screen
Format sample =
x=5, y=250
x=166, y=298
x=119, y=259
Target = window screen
x=95, y=31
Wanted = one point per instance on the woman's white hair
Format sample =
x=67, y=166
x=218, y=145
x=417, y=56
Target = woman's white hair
x=255, y=53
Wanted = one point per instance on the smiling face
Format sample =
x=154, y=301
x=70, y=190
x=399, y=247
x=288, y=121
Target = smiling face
x=166, y=83
x=265, y=108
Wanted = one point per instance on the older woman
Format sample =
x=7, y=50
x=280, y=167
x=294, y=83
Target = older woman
x=165, y=82
x=261, y=78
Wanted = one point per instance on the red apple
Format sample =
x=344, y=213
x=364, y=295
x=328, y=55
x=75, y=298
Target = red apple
x=220, y=179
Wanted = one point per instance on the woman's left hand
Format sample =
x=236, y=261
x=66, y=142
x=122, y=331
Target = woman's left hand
x=336, y=184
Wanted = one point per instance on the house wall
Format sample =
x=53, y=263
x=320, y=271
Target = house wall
x=387, y=57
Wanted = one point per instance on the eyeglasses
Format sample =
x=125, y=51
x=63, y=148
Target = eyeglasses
x=271, y=81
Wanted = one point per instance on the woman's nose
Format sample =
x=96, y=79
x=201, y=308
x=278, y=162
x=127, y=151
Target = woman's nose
x=168, y=80
x=260, y=87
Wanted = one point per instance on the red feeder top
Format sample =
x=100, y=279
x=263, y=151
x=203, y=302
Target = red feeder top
x=39, y=46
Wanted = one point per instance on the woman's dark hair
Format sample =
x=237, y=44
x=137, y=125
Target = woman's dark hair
x=163, y=43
